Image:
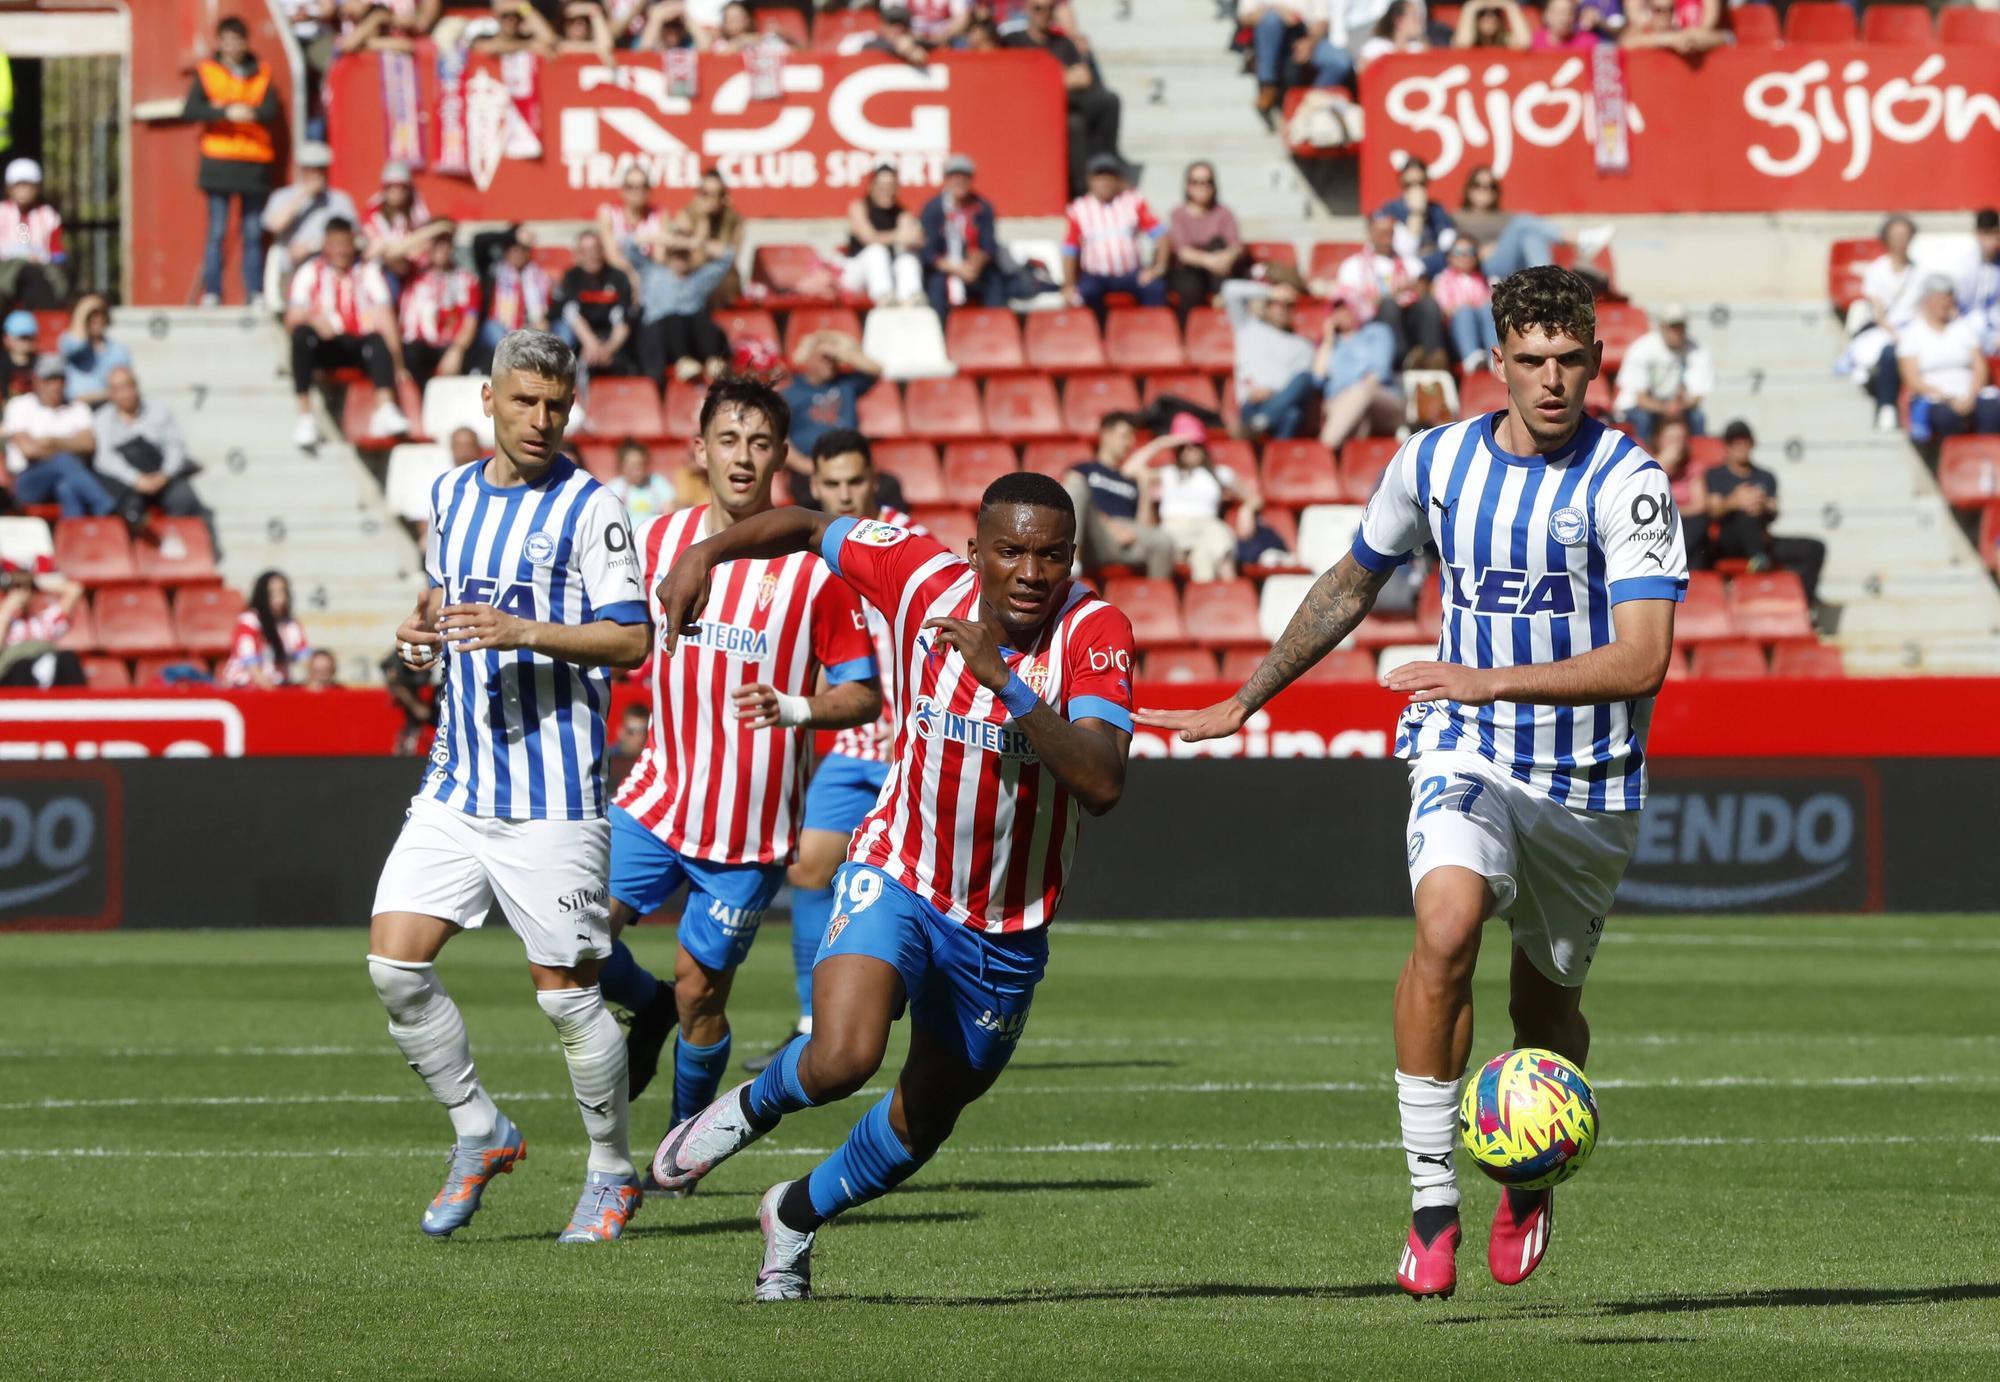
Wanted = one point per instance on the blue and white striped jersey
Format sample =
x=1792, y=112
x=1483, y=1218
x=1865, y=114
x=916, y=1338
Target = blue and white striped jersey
x=1534, y=551
x=521, y=735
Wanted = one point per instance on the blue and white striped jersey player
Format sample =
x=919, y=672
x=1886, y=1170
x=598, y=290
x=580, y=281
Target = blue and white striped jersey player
x=1561, y=560
x=534, y=596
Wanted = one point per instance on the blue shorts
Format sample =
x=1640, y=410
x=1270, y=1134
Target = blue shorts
x=725, y=902
x=964, y=985
x=842, y=793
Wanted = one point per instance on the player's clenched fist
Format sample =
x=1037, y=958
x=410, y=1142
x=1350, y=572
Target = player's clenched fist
x=975, y=644
x=474, y=628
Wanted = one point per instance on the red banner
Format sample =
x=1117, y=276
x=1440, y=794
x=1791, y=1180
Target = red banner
x=1798, y=127
x=196, y=723
x=806, y=154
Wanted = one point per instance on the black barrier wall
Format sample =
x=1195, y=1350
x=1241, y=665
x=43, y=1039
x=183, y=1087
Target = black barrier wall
x=276, y=842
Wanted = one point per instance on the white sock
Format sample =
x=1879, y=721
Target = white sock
x=431, y=1035
x=1430, y=1133
x=595, y=1049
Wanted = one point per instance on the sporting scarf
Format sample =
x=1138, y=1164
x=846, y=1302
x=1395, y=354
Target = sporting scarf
x=402, y=109
x=1612, y=130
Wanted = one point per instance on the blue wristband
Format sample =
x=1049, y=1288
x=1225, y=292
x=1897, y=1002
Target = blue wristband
x=1019, y=697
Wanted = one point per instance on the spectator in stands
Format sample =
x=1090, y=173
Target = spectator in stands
x=829, y=377
x=594, y=305
x=297, y=214
x=433, y=327
x=1115, y=244
x=322, y=674
x=1560, y=32
x=632, y=728
x=668, y=25
x=711, y=228
x=1687, y=27
x=1491, y=24
x=644, y=492
x=1186, y=498
x=396, y=217
x=49, y=442
x=1465, y=299
x=413, y=691
x=1891, y=292
x=1979, y=286
x=1387, y=285
x=738, y=31
x=981, y=35
x=1107, y=505
x=1273, y=362
x=30, y=631
x=1094, y=109
x=675, y=330
x=1354, y=371
x=89, y=352
x=464, y=447
x=1945, y=370
x=1204, y=246
x=1742, y=501
x=586, y=31
x=893, y=37
x=519, y=294
x=332, y=315
x=515, y=27
x=1666, y=373
x=960, y=250
x=236, y=104
x=18, y=335
x=33, y=262
x=1604, y=18
x=141, y=458
x=1401, y=29
x=1670, y=449
x=387, y=26
x=269, y=643
x=313, y=25
x=1422, y=226
x=1293, y=43
x=632, y=214
x=883, y=240
x=1510, y=241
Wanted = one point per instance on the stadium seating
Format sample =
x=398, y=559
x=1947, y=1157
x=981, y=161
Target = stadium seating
x=907, y=342
x=1794, y=659
x=1088, y=397
x=1770, y=605
x=1278, y=599
x=205, y=617
x=1327, y=257
x=1153, y=606
x=880, y=412
x=1618, y=325
x=1989, y=536
x=103, y=673
x=1197, y=389
x=1300, y=472
x=1239, y=456
x=1483, y=392
x=786, y=22
x=1177, y=666
x=1362, y=462
x=82, y=635
x=785, y=271
x=970, y=468
x=1819, y=21
x=943, y=409
x=1340, y=665
x=1326, y=534
x=132, y=620
x=1704, y=616
x=1054, y=458
x=622, y=408
x=830, y=27
x=951, y=526
x=1210, y=340
x=1022, y=406
x=174, y=552
x=413, y=468
x=915, y=466
x=1222, y=614
x=1903, y=25
x=1388, y=659
x=1064, y=340
x=22, y=540
x=681, y=414
x=1734, y=659
x=1754, y=24
x=1144, y=338
x=96, y=551
x=1969, y=470
x=1967, y=24
x=742, y=324
x=357, y=409
x=984, y=340
x=452, y=402
x=1847, y=261
x=817, y=316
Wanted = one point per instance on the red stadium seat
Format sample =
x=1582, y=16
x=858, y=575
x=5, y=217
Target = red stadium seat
x=1564, y=255
x=1618, y=325
x=803, y=321
x=600, y=458
x=1754, y=24
x=786, y=271
x=1143, y=338
x=681, y=417
x=1239, y=456
x=96, y=551
x=624, y=407
x=984, y=340
x=1222, y=614
x=175, y=551
x=554, y=259
x=880, y=412
x=1153, y=606
x=788, y=22
x=915, y=466
x=1734, y=659
x=1178, y=666
x=950, y=525
x=357, y=407
x=1847, y=261
x=1301, y=472
x=1818, y=21
x=944, y=408
x=1969, y=471
x=1597, y=396
x=831, y=26
x=742, y=324
x=1807, y=660
x=1088, y=397
x=1362, y=462
x=1482, y=392
x=1211, y=341
x=1966, y=25
x=969, y=467
x=1064, y=340
x=1328, y=256
x=1054, y=458
x=1272, y=252
x=152, y=671
x=1989, y=537
x=106, y=673
x=133, y=619
x=1770, y=605
x=1704, y=616
x=1342, y=664
x=1021, y=406
x=205, y=618
x=1197, y=389
x=1903, y=25
x=82, y=635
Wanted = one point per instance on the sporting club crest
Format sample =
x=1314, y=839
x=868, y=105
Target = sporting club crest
x=767, y=590
x=488, y=106
x=833, y=931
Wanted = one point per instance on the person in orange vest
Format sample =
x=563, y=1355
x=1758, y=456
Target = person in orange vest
x=236, y=104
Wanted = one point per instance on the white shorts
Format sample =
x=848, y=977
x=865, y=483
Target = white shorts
x=1553, y=868
x=547, y=876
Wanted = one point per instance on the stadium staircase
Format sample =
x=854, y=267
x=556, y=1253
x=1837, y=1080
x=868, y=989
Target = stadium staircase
x=318, y=518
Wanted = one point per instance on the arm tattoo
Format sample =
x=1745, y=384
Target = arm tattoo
x=1337, y=602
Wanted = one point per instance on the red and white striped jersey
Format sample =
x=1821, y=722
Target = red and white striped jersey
x=619, y=224
x=343, y=297
x=435, y=305
x=1105, y=235
x=707, y=786
x=520, y=296
x=968, y=819
x=873, y=743
x=381, y=224
x=32, y=234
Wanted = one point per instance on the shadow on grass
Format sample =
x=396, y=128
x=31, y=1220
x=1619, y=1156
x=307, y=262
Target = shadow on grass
x=1206, y=1290
x=1020, y=1065
x=710, y=1227
x=1777, y=1298
x=1023, y=1187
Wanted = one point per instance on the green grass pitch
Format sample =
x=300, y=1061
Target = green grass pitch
x=214, y=1162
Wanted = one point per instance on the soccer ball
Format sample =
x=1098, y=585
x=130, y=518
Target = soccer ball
x=1529, y=1119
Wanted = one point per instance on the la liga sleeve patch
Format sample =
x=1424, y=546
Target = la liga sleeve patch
x=870, y=533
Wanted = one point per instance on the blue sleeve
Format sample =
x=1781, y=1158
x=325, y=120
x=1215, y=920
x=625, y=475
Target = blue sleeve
x=1649, y=588
x=854, y=669
x=1374, y=560
x=625, y=612
x=830, y=543
x=1099, y=708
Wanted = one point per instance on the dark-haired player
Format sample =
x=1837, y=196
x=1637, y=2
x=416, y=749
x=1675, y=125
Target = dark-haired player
x=1017, y=722
x=714, y=800
x=1561, y=561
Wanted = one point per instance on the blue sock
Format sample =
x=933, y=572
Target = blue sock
x=811, y=911
x=776, y=1091
x=697, y=1075
x=625, y=981
x=872, y=1162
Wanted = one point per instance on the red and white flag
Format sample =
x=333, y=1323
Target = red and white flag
x=1612, y=130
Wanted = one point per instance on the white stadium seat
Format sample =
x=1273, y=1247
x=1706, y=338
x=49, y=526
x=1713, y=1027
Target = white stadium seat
x=907, y=342
x=413, y=468
x=1396, y=654
x=1326, y=533
x=453, y=402
x=24, y=539
x=1279, y=600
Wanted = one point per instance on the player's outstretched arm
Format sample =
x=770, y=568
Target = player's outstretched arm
x=602, y=643
x=684, y=589
x=840, y=707
x=1338, y=601
x=1629, y=669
